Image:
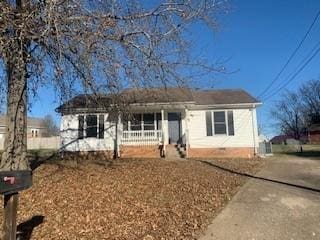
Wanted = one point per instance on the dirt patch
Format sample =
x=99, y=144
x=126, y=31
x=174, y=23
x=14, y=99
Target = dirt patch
x=131, y=199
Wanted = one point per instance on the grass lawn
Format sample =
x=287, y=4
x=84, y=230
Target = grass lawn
x=308, y=150
x=130, y=199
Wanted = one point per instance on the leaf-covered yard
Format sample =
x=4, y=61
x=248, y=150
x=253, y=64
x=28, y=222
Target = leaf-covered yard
x=131, y=199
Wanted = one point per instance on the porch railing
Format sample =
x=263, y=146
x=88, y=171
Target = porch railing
x=142, y=137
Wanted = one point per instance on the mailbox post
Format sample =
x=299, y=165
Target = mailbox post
x=12, y=182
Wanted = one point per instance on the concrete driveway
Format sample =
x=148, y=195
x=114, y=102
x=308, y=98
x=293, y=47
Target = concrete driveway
x=269, y=210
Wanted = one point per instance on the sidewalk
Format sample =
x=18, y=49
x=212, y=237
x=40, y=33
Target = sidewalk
x=269, y=210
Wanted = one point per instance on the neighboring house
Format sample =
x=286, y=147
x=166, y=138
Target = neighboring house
x=35, y=127
x=206, y=123
x=314, y=134
x=289, y=140
x=280, y=139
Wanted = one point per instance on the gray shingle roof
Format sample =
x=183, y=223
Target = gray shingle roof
x=223, y=96
x=161, y=95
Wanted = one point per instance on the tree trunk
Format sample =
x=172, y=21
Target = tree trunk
x=14, y=156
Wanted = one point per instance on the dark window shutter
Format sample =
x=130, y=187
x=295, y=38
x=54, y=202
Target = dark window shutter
x=209, y=123
x=81, y=126
x=101, y=126
x=230, y=123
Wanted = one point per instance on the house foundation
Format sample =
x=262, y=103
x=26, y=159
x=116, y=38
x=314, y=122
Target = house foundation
x=230, y=152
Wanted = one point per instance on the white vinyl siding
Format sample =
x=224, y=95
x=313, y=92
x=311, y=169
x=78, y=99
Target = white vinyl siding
x=245, y=130
x=70, y=135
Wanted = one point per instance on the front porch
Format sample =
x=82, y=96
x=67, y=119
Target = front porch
x=157, y=128
x=142, y=137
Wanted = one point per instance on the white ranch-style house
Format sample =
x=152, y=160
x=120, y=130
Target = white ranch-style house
x=160, y=122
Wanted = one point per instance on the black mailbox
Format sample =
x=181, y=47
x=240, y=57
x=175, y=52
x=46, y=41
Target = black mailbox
x=15, y=181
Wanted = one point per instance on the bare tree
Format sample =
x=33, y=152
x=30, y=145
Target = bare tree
x=50, y=125
x=96, y=47
x=309, y=93
x=296, y=111
x=289, y=115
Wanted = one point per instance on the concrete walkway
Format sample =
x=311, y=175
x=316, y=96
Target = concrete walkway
x=269, y=210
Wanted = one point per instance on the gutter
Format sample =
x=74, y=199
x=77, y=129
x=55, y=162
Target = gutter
x=228, y=106
x=190, y=104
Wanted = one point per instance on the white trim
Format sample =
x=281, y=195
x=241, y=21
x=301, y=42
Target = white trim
x=187, y=131
x=226, y=121
x=161, y=103
x=253, y=132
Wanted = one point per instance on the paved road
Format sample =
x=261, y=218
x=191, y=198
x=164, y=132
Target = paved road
x=268, y=210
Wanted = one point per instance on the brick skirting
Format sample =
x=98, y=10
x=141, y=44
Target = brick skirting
x=154, y=152
x=140, y=151
x=240, y=152
x=88, y=155
x=314, y=137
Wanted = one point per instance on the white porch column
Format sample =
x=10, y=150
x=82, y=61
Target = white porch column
x=187, y=131
x=163, y=132
x=118, y=136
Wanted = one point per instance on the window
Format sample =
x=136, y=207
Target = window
x=159, y=121
x=145, y=121
x=90, y=127
x=125, y=124
x=34, y=133
x=148, y=121
x=219, y=122
x=136, y=122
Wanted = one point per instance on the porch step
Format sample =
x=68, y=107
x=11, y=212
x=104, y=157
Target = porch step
x=175, y=152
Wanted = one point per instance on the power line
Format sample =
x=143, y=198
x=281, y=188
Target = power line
x=313, y=50
x=291, y=56
x=294, y=76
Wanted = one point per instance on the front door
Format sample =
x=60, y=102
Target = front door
x=174, y=121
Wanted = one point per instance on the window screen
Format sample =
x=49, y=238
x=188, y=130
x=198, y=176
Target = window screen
x=125, y=121
x=136, y=122
x=148, y=121
x=91, y=130
x=219, y=122
x=159, y=122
